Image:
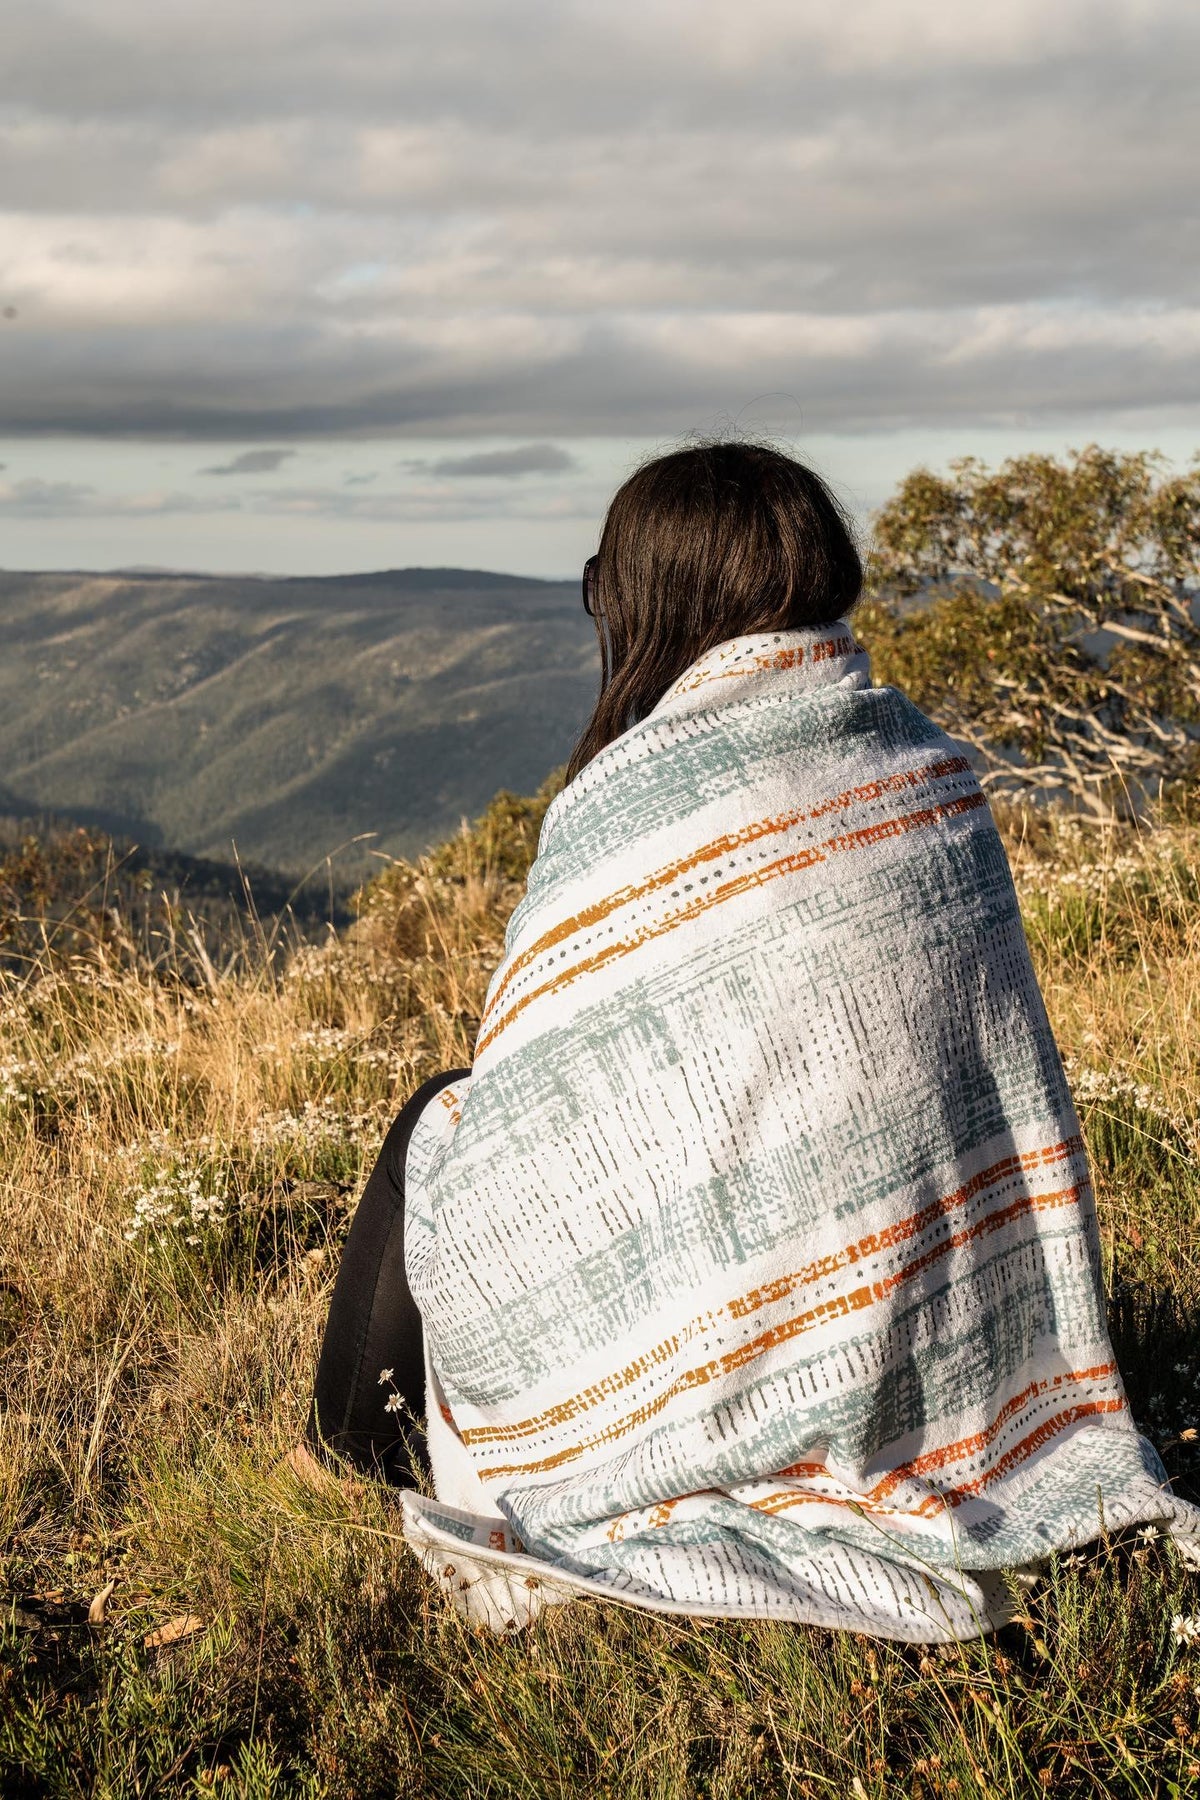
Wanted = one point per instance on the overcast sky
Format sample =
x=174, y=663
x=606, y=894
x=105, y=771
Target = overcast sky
x=339, y=284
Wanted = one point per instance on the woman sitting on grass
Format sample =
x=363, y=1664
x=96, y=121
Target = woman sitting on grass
x=752, y=1267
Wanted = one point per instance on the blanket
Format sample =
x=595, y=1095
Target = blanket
x=757, y=1255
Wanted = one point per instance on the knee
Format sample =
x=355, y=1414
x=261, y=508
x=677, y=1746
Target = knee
x=395, y=1144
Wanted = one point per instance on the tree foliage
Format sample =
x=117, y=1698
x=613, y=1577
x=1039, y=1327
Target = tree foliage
x=1045, y=612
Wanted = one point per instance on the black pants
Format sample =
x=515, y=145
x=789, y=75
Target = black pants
x=374, y=1324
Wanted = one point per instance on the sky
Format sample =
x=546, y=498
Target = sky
x=333, y=285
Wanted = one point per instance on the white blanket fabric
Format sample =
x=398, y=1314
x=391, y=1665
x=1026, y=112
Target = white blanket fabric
x=757, y=1255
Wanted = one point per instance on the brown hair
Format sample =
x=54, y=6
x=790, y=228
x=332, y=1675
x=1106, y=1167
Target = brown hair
x=702, y=545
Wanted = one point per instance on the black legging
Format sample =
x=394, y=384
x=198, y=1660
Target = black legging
x=374, y=1324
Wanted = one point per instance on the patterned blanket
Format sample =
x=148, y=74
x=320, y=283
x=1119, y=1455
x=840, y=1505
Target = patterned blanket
x=758, y=1255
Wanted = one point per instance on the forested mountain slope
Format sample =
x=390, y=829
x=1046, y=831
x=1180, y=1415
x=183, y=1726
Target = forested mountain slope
x=286, y=716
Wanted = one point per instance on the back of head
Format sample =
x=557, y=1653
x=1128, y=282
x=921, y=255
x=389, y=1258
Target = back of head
x=700, y=546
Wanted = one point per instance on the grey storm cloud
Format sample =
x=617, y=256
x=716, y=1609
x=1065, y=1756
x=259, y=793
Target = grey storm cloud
x=251, y=462
x=525, y=459
x=375, y=218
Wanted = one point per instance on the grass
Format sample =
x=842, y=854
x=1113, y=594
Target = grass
x=179, y=1160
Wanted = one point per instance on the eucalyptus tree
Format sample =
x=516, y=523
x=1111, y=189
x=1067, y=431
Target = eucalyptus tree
x=1045, y=612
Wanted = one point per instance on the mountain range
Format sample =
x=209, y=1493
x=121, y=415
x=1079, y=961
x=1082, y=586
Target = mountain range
x=285, y=718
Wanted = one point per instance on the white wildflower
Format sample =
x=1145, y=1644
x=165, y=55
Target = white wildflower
x=319, y=1123
x=324, y=1042
x=394, y=1403
x=1185, y=1628
x=180, y=1197
x=385, y=1375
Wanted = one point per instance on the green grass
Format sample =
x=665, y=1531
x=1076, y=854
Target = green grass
x=154, y=1373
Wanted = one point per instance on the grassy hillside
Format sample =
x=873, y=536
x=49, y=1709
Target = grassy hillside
x=65, y=887
x=179, y=1163
x=286, y=716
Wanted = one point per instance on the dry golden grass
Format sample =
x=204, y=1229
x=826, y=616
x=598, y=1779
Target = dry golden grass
x=178, y=1165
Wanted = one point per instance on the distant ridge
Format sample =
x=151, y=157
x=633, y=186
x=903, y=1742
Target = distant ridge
x=290, y=715
x=415, y=577
x=419, y=580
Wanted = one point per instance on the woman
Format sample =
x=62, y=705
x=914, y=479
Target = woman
x=752, y=1268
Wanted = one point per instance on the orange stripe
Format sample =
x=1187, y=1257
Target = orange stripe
x=788, y=658
x=962, y=1491
x=746, y=1304
x=1040, y=1435
x=691, y=1378
x=449, y=1099
x=718, y=847
x=776, y=1503
x=891, y=1235
x=801, y=1469
x=856, y=1301
x=770, y=1503
x=979, y=1440
x=782, y=1499
x=784, y=865
x=992, y=1222
x=831, y=647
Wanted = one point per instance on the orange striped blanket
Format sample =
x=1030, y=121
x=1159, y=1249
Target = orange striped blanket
x=757, y=1255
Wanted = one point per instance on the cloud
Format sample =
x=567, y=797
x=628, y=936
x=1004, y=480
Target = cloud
x=425, y=503
x=251, y=462
x=865, y=371
x=526, y=459
x=34, y=498
x=417, y=502
x=365, y=218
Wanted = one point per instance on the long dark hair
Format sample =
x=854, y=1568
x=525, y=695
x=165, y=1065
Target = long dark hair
x=702, y=545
